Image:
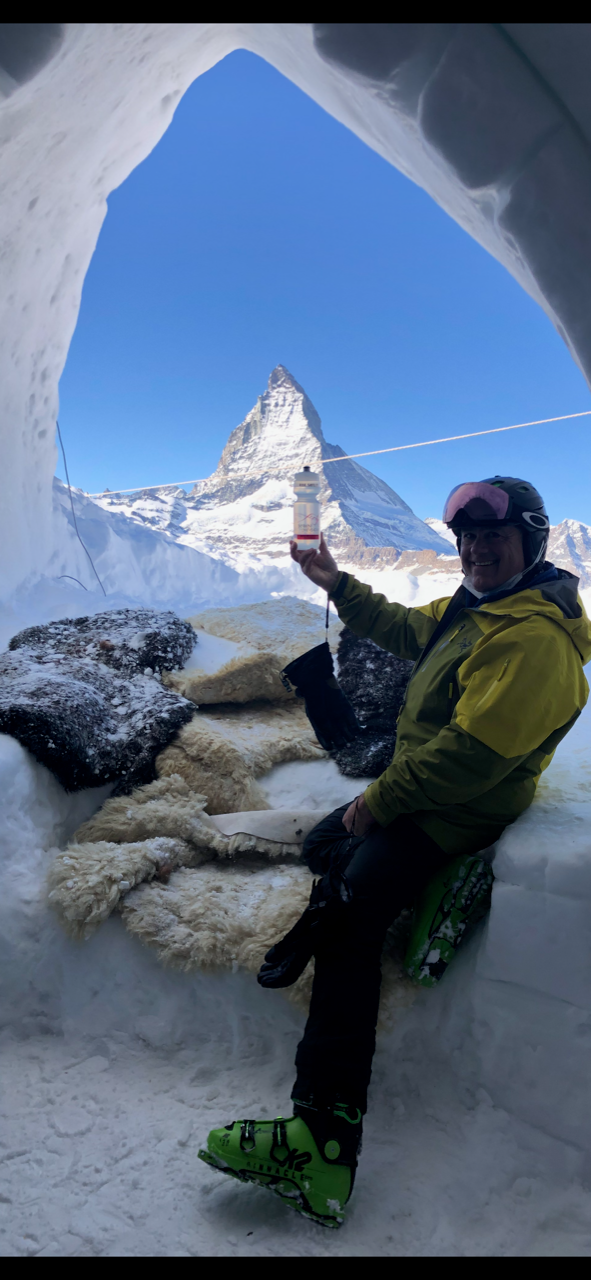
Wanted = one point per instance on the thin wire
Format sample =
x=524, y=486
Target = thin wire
x=69, y=576
x=467, y=436
x=346, y=457
x=74, y=514
x=146, y=488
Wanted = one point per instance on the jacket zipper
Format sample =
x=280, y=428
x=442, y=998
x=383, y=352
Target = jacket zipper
x=415, y=668
x=450, y=700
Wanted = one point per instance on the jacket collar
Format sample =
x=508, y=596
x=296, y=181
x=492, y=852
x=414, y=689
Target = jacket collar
x=536, y=577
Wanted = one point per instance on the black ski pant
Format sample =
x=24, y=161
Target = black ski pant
x=386, y=870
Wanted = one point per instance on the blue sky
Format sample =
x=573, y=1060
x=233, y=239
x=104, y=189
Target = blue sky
x=260, y=231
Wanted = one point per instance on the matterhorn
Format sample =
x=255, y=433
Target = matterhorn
x=242, y=513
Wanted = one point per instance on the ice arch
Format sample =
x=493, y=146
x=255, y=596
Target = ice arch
x=493, y=120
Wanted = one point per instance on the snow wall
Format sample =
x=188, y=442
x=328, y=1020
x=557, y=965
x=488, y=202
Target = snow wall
x=493, y=121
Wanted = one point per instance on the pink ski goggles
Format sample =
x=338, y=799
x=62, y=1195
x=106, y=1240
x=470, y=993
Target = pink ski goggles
x=478, y=500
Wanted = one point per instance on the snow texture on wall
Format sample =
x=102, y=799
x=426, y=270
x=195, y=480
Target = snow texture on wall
x=132, y=558
x=493, y=120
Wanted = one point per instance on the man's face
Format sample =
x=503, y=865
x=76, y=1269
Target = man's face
x=491, y=556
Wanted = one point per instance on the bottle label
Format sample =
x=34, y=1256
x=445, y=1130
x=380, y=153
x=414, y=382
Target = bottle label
x=306, y=520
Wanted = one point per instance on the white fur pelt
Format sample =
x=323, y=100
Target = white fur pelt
x=220, y=753
x=167, y=807
x=220, y=917
x=225, y=914
x=270, y=635
x=87, y=881
x=227, y=917
x=156, y=829
x=286, y=626
x=244, y=678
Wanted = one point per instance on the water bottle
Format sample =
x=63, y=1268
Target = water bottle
x=306, y=510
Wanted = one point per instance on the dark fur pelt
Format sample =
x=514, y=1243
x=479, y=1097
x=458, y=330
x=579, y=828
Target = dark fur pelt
x=128, y=640
x=375, y=684
x=81, y=696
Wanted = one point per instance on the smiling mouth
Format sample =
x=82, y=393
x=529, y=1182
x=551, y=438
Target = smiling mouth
x=483, y=564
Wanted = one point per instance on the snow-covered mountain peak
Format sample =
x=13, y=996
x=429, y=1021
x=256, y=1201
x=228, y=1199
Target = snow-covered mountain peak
x=569, y=547
x=242, y=513
x=281, y=434
x=281, y=377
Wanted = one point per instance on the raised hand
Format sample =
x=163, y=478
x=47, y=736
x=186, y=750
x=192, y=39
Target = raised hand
x=318, y=566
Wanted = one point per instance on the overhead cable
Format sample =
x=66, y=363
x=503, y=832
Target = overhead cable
x=347, y=457
x=66, y=575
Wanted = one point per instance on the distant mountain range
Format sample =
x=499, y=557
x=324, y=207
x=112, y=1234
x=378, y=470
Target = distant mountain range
x=570, y=548
x=242, y=514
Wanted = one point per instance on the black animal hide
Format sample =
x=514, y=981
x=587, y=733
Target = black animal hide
x=375, y=683
x=131, y=641
x=81, y=695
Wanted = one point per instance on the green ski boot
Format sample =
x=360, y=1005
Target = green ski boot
x=311, y=1172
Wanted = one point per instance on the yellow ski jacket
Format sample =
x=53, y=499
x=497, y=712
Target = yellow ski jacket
x=486, y=705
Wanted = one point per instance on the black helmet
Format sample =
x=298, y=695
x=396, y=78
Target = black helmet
x=501, y=500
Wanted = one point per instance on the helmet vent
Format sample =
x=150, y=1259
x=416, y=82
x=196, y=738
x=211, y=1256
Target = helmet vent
x=535, y=519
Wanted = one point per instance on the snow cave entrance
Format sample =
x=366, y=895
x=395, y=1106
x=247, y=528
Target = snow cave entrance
x=522, y=1146
x=167, y=473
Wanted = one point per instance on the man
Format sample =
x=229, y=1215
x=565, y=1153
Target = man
x=498, y=681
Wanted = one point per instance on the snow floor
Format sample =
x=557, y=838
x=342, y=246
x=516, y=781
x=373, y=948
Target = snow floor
x=100, y=1138
x=100, y=1161
x=114, y=1069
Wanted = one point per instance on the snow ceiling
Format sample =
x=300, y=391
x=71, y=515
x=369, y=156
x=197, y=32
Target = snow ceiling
x=493, y=120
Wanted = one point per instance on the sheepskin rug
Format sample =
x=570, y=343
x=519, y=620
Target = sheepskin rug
x=148, y=835
x=269, y=635
x=84, y=695
x=221, y=752
x=227, y=917
x=167, y=807
x=244, y=678
x=211, y=893
x=88, y=881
